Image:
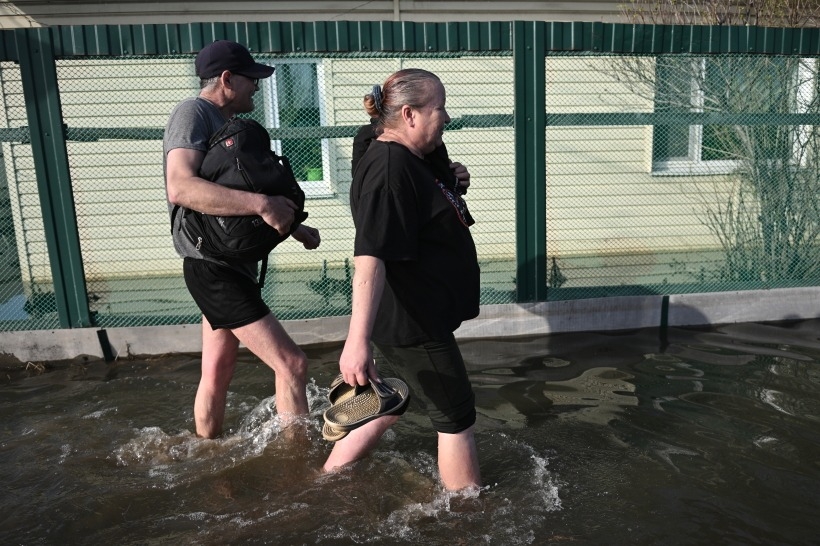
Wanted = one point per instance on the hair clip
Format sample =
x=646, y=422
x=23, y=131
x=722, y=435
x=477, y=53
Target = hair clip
x=377, y=98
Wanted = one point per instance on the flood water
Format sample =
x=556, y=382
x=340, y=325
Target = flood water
x=704, y=437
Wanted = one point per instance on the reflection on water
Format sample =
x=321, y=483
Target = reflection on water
x=710, y=437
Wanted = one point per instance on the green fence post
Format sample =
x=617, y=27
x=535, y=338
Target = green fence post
x=39, y=74
x=530, y=160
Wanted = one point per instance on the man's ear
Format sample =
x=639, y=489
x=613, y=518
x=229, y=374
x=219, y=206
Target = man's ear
x=225, y=79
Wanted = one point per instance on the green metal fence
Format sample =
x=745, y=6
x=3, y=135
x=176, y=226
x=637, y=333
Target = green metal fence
x=605, y=159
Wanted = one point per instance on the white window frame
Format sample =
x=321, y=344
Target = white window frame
x=693, y=165
x=270, y=93
x=692, y=162
x=806, y=95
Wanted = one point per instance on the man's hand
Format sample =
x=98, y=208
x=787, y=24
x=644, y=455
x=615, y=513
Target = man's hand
x=278, y=213
x=308, y=236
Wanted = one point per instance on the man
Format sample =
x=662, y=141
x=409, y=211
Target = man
x=228, y=294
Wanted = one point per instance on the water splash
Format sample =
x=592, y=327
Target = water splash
x=175, y=458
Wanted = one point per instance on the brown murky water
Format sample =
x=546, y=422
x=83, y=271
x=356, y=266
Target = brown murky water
x=709, y=437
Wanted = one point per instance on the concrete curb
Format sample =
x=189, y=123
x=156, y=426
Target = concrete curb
x=588, y=315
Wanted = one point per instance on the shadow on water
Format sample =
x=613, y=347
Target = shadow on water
x=710, y=438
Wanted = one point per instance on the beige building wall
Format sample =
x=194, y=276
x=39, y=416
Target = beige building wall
x=117, y=181
x=118, y=189
x=21, y=180
x=127, y=12
x=602, y=196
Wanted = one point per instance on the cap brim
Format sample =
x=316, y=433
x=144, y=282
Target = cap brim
x=257, y=71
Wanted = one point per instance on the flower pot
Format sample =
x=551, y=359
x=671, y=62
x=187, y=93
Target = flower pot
x=313, y=173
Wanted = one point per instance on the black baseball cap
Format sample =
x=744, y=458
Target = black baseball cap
x=223, y=55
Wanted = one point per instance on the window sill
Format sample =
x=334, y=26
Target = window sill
x=314, y=196
x=692, y=168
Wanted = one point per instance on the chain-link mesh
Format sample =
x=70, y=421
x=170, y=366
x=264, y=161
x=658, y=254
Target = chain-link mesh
x=26, y=289
x=310, y=92
x=115, y=111
x=664, y=175
x=719, y=193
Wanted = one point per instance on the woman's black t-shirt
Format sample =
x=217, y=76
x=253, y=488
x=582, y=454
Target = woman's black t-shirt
x=405, y=217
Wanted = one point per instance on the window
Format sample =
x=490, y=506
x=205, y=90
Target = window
x=293, y=98
x=732, y=85
x=681, y=84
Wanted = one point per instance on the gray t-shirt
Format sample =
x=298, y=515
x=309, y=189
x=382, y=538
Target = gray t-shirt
x=190, y=125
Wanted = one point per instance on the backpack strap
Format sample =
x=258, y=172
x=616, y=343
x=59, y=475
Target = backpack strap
x=174, y=217
x=262, y=272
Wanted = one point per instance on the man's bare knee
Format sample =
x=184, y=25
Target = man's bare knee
x=294, y=365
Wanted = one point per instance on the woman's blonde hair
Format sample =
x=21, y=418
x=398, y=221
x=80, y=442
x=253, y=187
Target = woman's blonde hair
x=412, y=86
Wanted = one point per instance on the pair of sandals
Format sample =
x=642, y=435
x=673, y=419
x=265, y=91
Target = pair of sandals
x=352, y=407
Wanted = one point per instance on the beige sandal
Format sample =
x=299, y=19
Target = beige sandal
x=352, y=407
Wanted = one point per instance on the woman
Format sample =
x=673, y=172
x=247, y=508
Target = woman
x=416, y=275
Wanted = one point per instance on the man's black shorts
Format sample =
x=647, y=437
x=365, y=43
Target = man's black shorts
x=226, y=297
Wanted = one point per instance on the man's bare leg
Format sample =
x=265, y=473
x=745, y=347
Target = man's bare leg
x=267, y=339
x=219, y=348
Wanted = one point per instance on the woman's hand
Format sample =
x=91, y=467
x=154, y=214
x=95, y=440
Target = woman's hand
x=356, y=363
x=461, y=173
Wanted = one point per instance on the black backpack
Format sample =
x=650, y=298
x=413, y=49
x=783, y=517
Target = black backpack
x=239, y=157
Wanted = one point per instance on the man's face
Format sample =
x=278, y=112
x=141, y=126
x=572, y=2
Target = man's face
x=244, y=88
